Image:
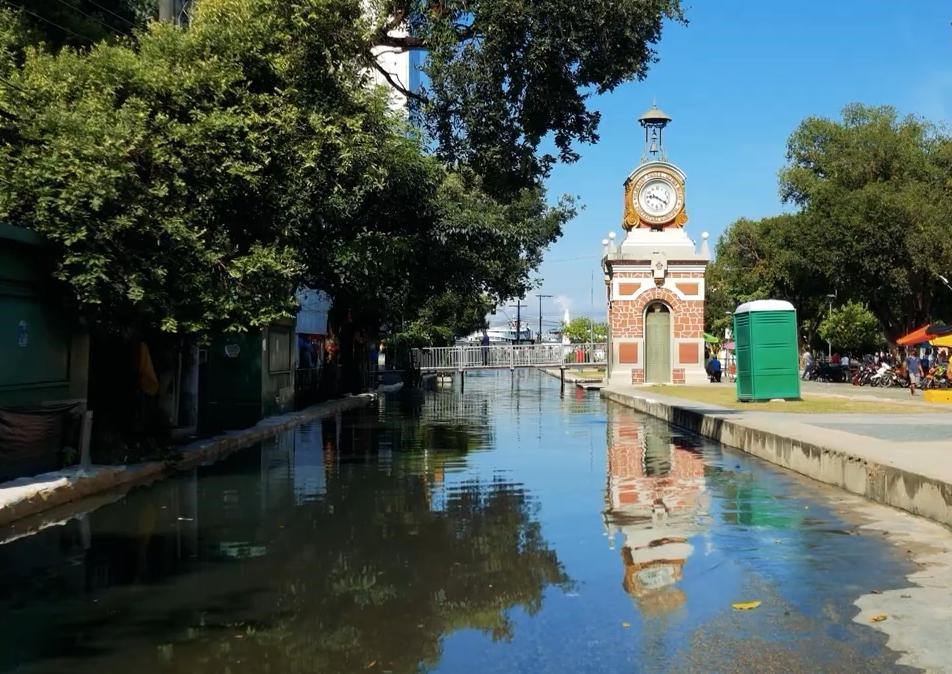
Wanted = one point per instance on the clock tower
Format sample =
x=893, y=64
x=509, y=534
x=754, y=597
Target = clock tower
x=655, y=278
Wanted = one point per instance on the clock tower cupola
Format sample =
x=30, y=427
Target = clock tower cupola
x=655, y=278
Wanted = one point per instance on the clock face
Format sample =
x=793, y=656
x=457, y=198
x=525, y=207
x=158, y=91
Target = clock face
x=657, y=198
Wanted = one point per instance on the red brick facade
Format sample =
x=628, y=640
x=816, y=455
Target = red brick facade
x=631, y=296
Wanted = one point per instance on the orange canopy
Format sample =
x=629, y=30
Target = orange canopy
x=924, y=334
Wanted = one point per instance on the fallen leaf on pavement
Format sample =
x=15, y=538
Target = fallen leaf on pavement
x=878, y=618
x=746, y=605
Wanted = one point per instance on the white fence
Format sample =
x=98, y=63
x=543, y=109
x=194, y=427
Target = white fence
x=453, y=358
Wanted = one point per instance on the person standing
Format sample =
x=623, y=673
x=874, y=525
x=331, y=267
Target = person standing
x=484, y=341
x=807, y=363
x=913, y=370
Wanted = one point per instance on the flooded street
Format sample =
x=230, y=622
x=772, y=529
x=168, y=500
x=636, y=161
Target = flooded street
x=504, y=529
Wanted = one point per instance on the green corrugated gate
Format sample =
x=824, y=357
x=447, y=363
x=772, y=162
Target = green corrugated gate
x=43, y=360
x=42, y=357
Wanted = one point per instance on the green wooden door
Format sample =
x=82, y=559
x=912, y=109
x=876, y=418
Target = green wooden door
x=658, y=345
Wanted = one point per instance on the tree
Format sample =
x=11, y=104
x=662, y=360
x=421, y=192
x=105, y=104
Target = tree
x=851, y=327
x=877, y=206
x=582, y=330
x=82, y=23
x=505, y=75
x=873, y=225
x=193, y=178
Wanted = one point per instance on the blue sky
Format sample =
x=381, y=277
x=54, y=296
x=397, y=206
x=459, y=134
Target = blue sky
x=737, y=80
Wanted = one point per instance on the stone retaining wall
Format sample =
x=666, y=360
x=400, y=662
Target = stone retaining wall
x=31, y=496
x=889, y=485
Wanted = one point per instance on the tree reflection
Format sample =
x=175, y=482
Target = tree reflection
x=655, y=497
x=385, y=544
x=374, y=576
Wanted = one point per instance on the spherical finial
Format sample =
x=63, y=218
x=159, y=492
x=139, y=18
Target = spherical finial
x=705, y=235
x=604, y=242
x=611, y=235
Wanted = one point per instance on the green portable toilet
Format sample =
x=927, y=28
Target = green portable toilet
x=765, y=337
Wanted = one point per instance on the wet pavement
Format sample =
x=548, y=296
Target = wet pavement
x=506, y=529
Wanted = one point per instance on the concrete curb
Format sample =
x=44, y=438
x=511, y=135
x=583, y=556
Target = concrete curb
x=29, y=497
x=889, y=485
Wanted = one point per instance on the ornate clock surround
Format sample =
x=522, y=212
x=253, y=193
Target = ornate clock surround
x=635, y=216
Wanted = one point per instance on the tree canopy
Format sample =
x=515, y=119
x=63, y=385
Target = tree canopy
x=81, y=23
x=505, y=78
x=873, y=225
x=581, y=330
x=851, y=327
x=192, y=178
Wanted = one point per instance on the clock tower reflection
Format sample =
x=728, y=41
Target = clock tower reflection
x=657, y=500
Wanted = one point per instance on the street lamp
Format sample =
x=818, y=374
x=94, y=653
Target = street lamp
x=945, y=281
x=829, y=344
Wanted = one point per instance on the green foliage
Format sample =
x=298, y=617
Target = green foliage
x=191, y=179
x=851, y=327
x=81, y=23
x=581, y=330
x=505, y=75
x=874, y=225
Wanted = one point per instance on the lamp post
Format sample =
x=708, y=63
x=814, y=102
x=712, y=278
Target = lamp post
x=945, y=281
x=829, y=344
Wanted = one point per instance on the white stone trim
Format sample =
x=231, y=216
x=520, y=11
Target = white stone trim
x=671, y=284
x=641, y=282
x=645, y=267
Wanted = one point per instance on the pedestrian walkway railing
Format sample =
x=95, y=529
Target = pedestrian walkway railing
x=455, y=358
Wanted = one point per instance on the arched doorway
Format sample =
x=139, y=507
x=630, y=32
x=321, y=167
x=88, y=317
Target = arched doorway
x=657, y=344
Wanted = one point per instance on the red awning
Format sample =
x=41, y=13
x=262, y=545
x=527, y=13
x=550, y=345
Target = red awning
x=924, y=334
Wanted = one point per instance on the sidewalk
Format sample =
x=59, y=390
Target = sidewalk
x=36, y=502
x=859, y=392
x=898, y=460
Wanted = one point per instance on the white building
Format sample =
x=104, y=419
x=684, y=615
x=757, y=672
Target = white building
x=403, y=67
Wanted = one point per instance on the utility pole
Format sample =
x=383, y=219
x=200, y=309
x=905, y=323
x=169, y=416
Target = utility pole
x=539, y=336
x=519, y=306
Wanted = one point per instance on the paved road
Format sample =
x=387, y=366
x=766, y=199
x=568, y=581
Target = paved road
x=859, y=392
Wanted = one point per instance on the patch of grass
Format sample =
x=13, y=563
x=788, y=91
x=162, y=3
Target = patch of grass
x=726, y=396
x=587, y=374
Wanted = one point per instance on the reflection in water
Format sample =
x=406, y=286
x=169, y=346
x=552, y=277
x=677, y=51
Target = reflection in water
x=437, y=533
x=657, y=499
x=333, y=547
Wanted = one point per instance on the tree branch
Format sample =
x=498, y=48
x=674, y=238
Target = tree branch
x=404, y=42
x=399, y=16
x=464, y=33
x=396, y=85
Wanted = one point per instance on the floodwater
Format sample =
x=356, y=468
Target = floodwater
x=503, y=529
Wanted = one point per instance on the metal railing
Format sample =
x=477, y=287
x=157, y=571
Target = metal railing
x=454, y=358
